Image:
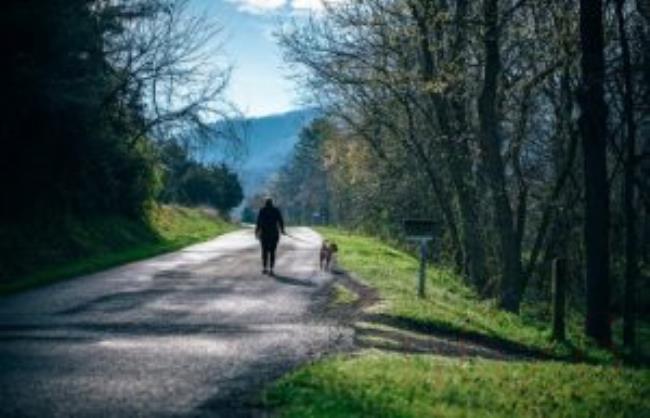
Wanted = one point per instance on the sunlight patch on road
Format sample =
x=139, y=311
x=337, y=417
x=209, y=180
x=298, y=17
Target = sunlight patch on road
x=176, y=345
x=170, y=307
x=232, y=304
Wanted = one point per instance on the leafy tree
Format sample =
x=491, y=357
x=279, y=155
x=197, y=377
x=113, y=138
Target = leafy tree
x=89, y=85
x=189, y=182
x=309, y=196
x=248, y=215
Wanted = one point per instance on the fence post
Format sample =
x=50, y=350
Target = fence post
x=423, y=268
x=559, y=297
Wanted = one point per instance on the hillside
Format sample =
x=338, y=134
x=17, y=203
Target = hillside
x=268, y=141
x=43, y=253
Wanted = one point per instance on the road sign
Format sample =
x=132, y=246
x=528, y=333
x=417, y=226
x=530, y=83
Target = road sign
x=419, y=229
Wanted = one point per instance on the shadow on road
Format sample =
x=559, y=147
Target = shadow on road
x=293, y=281
x=127, y=329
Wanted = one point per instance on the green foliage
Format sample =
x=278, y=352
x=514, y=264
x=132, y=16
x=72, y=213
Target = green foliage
x=248, y=215
x=191, y=183
x=82, y=103
x=389, y=385
x=66, y=125
x=301, y=186
x=42, y=253
x=338, y=176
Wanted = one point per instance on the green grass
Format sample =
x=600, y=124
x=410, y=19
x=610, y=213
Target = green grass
x=44, y=254
x=377, y=384
x=449, y=304
x=342, y=296
x=389, y=385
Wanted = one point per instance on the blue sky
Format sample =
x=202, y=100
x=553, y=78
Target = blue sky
x=259, y=84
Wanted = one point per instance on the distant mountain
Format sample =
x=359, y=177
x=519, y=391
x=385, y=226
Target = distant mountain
x=268, y=143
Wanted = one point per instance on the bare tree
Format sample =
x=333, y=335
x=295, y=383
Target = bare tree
x=480, y=99
x=168, y=61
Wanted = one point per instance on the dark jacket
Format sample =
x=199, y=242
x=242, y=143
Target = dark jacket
x=269, y=224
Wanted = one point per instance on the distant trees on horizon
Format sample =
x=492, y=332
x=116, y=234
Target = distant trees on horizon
x=189, y=182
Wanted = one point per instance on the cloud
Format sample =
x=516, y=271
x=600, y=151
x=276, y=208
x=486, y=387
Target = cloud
x=259, y=6
x=315, y=5
x=307, y=4
x=266, y=6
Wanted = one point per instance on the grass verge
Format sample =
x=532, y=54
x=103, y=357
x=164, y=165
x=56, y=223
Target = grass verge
x=342, y=296
x=390, y=385
x=451, y=306
x=379, y=384
x=47, y=253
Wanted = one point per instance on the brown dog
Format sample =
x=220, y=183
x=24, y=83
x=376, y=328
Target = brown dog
x=327, y=251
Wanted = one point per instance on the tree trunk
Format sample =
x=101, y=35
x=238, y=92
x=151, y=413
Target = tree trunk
x=562, y=152
x=474, y=253
x=414, y=146
x=466, y=190
x=509, y=246
x=458, y=164
x=631, y=250
x=593, y=129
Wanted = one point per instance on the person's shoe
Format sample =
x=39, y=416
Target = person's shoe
x=271, y=273
x=264, y=271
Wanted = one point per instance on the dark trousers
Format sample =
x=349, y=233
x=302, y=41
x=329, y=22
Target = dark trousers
x=268, y=252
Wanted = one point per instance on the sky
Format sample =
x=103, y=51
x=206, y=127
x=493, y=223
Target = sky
x=259, y=83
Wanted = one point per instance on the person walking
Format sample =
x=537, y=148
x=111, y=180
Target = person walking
x=268, y=229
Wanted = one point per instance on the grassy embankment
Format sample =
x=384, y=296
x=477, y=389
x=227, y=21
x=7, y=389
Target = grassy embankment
x=37, y=255
x=379, y=384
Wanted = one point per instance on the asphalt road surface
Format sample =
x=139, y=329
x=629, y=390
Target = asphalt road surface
x=198, y=332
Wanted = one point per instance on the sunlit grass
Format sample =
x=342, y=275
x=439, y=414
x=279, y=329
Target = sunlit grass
x=377, y=384
x=449, y=303
x=342, y=296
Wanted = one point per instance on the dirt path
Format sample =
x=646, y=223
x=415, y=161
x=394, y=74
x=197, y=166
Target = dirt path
x=386, y=332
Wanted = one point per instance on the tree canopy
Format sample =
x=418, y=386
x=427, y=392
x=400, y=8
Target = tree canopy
x=91, y=88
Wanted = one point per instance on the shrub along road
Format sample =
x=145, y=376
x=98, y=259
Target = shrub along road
x=198, y=332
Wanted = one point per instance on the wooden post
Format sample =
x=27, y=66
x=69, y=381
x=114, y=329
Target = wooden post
x=559, y=297
x=423, y=268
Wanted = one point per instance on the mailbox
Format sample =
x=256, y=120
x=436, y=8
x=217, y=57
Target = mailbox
x=422, y=231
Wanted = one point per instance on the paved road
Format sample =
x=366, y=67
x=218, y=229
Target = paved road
x=193, y=333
